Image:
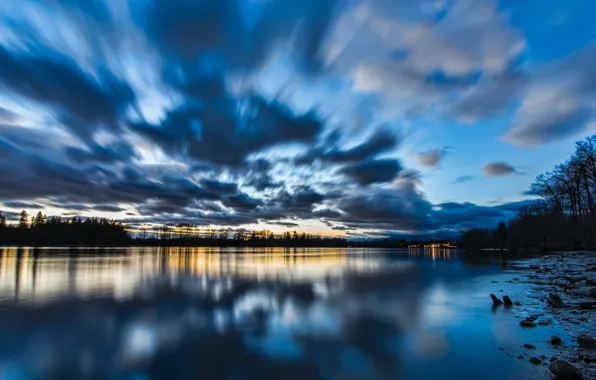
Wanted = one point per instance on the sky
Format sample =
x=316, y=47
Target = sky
x=337, y=117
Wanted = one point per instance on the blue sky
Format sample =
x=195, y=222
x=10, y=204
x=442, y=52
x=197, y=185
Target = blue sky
x=362, y=117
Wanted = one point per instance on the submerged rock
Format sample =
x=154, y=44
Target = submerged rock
x=585, y=341
x=565, y=370
x=555, y=340
x=555, y=301
x=507, y=301
x=529, y=346
x=496, y=300
x=534, y=360
x=516, y=303
x=527, y=323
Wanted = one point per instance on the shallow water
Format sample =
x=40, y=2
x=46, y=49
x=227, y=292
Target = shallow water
x=189, y=313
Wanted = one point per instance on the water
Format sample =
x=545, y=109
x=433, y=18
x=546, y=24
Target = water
x=202, y=313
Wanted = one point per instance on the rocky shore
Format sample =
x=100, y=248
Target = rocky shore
x=562, y=301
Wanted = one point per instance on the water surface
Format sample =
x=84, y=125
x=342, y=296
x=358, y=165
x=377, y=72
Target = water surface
x=189, y=313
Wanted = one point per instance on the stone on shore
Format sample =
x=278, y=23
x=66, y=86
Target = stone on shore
x=496, y=300
x=555, y=340
x=555, y=301
x=585, y=341
x=507, y=301
x=534, y=360
x=565, y=371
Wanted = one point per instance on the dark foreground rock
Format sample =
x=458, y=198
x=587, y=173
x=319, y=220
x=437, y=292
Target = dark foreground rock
x=507, y=301
x=585, y=341
x=555, y=341
x=554, y=300
x=496, y=300
x=565, y=371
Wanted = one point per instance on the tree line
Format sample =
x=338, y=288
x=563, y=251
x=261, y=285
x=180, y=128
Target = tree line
x=562, y=217
x=55, y=230
x=42, y=230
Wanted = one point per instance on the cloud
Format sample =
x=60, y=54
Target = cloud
x=372, y=171
x=431, y=158
x=463, y=179
x=81, y=100
x=380, y=141
x=22, y=205
x=499, y=169
x=220, y=135
x=558, y=102
x=7, y=116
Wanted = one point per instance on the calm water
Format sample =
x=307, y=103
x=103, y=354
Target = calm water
x=201, y=313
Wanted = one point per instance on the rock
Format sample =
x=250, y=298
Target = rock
x=555, y=340
x=592, y=292
x=590, y=282
x=507, y=301
x=534, y=360
x=585, y=305
x=553, y=358
x=544, y=322
x=526, y=323
x=585, y=341
x=565, y=370
x=494, y=282
x=516, y=279
x=517, y=303
x=529, y=346
x=555, y=301
x=496, y=300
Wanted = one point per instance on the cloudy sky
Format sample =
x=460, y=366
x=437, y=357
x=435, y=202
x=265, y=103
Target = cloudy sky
x=361, y=117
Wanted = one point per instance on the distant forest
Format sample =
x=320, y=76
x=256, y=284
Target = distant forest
x=562, y=217
x=41, y=230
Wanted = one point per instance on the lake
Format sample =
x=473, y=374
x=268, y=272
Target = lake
x=250, y=313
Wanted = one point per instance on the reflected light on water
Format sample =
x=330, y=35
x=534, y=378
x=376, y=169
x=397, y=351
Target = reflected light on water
x=154, y=313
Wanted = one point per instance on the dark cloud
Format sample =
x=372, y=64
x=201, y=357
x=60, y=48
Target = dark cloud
x=431, y=158
x=326, y=213
x=22, y=205
x=499, y=169
x=190, y=30
x=285, y=224
x=80, y=100
x=372, y=171
x=382, y=140
x=219, y=134
x=106, y=208
x=241, y=202
x=119, y=151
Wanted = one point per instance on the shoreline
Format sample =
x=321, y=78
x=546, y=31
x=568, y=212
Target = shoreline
x=560, y=301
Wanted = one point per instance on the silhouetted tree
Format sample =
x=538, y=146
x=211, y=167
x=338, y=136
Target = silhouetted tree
x=24, y=220
x=564, y=215
x=501, y=234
